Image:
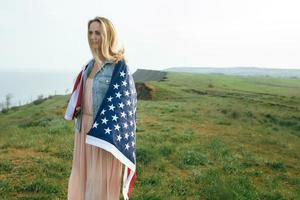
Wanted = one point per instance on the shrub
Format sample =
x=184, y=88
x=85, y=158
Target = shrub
x=4, y=110
x=39, y=100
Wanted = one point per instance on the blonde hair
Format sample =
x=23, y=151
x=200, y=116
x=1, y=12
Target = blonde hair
x=108, y=41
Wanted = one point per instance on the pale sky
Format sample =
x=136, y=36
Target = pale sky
x=50, y=35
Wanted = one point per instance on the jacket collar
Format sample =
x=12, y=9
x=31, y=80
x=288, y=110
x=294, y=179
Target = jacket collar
x=90, y=67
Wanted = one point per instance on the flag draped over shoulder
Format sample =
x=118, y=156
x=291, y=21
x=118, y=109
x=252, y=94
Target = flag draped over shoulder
x=75, y=99
x=114, y=126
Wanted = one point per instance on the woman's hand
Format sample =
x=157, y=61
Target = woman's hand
x=77, y=111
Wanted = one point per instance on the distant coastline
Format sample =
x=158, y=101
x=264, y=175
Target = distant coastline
x=240, y=71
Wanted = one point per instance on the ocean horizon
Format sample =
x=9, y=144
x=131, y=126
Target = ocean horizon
x=25, y=87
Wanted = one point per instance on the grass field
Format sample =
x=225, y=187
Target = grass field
x=201, y=137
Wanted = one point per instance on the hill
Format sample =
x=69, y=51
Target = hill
x=199, y=137
x=143, y=75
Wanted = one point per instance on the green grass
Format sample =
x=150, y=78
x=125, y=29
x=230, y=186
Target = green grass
x=201, y=137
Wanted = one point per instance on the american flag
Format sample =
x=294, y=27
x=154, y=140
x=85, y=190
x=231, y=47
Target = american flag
x=114, y=126
x=76, y=96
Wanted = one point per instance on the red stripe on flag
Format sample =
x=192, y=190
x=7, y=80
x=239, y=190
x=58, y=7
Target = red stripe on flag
x=131, y=182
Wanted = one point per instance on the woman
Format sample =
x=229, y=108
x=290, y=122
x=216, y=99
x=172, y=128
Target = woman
x=96, y=173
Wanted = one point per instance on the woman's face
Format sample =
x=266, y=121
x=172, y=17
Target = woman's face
x=94, y=34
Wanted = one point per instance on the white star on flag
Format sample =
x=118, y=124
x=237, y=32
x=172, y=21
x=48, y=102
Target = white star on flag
x=122, y=73
x=95, y=125
x=117, y=127
x=103, y=111
x=109, y=99
x=132, y=135
x=115, y=117
x=124, y=83
x=104, y=120
x=126, y=136
x=107, y=130
x=127, y=93
x=116, y=86
x=119, y=138
x=123, y=114
x=111, y=107
x=121, y=105
x=118, y=95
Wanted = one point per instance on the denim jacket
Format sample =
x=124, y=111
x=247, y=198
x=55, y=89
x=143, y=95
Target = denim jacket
x=101, y=83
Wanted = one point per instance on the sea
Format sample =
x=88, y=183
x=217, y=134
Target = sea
x=25, y=87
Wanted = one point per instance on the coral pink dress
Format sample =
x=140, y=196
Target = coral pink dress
x=96, y=173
